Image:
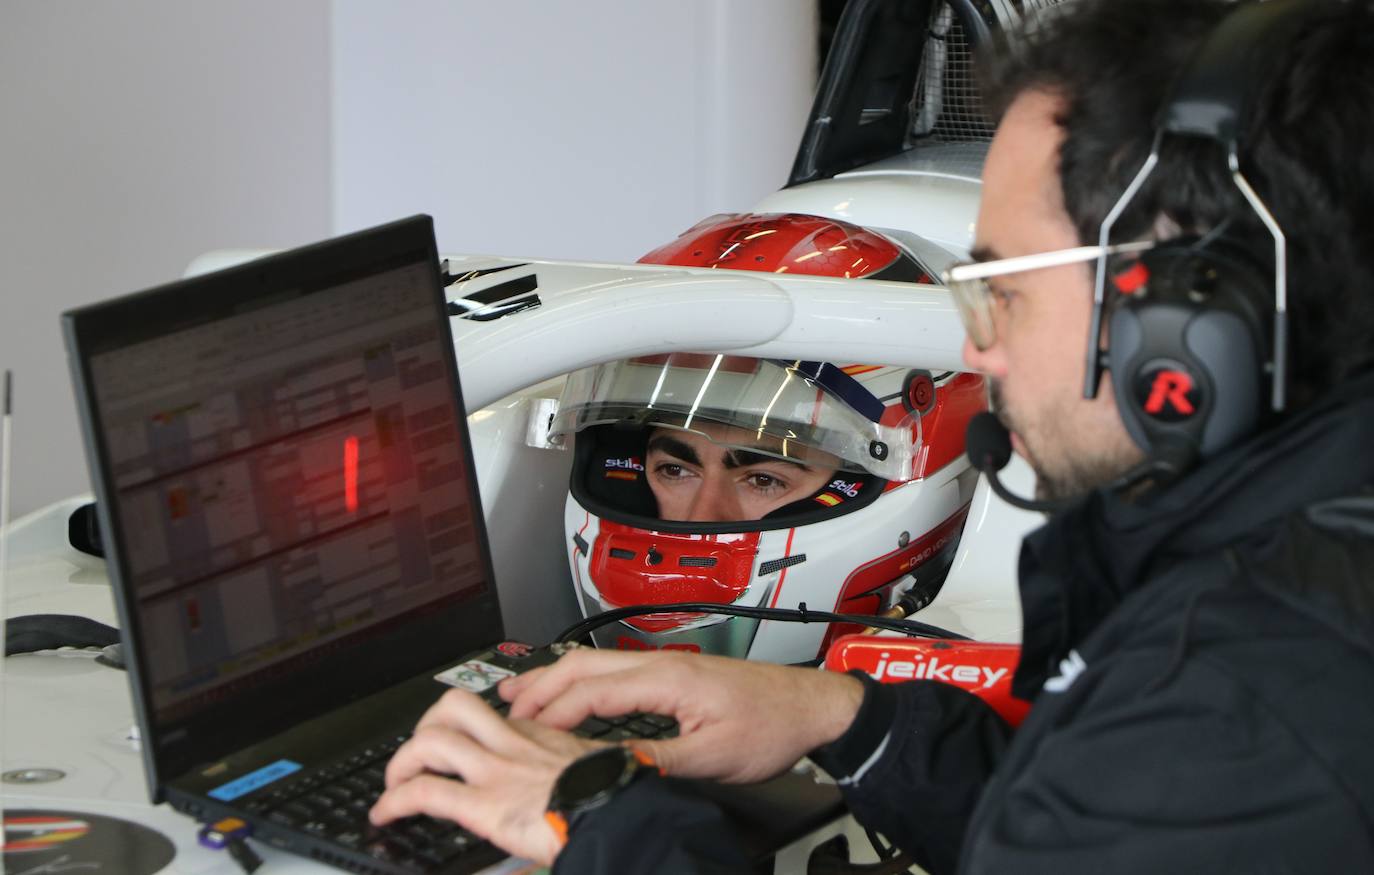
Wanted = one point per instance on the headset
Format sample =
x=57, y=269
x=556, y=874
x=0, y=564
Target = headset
x=1189, y=348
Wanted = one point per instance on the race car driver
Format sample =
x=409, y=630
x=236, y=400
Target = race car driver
x=1199, y=630
x=753, y=482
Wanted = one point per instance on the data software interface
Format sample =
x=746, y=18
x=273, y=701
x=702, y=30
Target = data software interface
x=288, y=480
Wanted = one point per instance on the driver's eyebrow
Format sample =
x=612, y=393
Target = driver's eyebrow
x=741, y=458
x=675, y=448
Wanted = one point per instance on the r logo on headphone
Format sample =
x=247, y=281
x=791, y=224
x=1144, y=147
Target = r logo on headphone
x=1166, y=392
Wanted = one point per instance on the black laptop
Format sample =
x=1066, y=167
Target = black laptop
x=281, y=462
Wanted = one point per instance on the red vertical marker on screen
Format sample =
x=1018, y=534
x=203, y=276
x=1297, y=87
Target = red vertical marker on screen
x=351, y=473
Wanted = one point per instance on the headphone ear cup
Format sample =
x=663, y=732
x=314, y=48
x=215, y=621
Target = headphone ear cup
x=1163, y=397
x=1126, y=338
x=1188, y=351
x=1228, y=352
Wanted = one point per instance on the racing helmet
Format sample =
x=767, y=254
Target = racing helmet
x=791, y=243
x=752, y=482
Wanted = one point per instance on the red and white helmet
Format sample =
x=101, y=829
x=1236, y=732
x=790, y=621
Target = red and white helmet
x=874, y=482
x=791, y=243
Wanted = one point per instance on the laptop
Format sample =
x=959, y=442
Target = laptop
x=294, y=533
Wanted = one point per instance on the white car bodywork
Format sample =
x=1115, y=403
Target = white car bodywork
x=512, y=367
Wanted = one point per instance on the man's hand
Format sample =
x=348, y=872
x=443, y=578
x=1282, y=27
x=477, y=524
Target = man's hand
x=506, y=771
x=739, y=721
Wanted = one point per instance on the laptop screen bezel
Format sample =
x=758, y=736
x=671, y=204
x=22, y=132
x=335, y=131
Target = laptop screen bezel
x=424, y=643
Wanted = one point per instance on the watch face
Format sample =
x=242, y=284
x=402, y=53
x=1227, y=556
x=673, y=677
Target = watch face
x=594, y=774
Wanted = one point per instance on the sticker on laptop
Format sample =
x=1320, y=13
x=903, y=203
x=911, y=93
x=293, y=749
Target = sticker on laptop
x=254, y=780
x=474, y=676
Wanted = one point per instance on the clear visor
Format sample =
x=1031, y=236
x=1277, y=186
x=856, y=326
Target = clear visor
x=742, y=403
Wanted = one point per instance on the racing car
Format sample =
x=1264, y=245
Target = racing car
x=822, y=299
x=811, y=325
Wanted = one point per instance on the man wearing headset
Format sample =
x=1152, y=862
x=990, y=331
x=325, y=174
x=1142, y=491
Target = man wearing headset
x=1198, y=609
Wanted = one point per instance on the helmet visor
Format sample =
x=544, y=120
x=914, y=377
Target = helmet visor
x=773, y=408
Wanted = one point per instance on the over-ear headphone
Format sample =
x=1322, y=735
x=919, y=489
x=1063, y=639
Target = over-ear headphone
x=1189, y=347
x=1199, y=329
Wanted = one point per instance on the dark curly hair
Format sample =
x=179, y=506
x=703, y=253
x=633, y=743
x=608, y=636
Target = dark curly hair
x=1307, y=150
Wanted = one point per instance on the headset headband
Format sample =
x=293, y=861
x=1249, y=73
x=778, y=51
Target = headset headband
x=1212, y=99
x=1214, y=95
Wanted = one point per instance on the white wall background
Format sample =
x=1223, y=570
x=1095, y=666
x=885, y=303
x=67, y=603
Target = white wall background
x=135, y=136
x=595, y=129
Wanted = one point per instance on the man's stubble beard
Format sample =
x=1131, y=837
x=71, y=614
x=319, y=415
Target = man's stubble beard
x=1063, y=470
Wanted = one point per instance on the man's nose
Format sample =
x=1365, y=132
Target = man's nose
x=715, y=501
x=987, y=361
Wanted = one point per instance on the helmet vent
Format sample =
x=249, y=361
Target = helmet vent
x=697, y=561
x=773, y=566
x=581, y=544
x=618, y=553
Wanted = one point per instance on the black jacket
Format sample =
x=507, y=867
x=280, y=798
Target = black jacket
x=1203, y=683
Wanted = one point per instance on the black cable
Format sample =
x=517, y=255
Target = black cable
x=880, y=847
x=914, y=628
x=833, y=859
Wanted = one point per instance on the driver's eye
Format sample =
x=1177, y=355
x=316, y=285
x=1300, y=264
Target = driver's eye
x=765, y=482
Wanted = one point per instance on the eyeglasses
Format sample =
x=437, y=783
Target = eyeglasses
x=967, y=281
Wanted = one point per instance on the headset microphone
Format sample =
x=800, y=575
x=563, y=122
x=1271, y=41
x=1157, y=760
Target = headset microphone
x=988, y=445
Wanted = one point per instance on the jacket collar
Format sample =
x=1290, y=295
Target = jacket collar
x=1080, y=565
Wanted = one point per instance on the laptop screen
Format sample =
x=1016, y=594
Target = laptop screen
x=286, y=469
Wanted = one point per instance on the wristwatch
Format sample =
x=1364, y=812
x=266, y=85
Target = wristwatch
x=592, y=780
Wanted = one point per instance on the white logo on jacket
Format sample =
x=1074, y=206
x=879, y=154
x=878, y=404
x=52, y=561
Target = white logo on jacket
x=1070, y=667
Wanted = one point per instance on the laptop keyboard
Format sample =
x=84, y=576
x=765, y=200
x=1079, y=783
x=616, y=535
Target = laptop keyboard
x=331, y=802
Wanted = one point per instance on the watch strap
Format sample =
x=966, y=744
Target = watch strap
x=561, y=822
